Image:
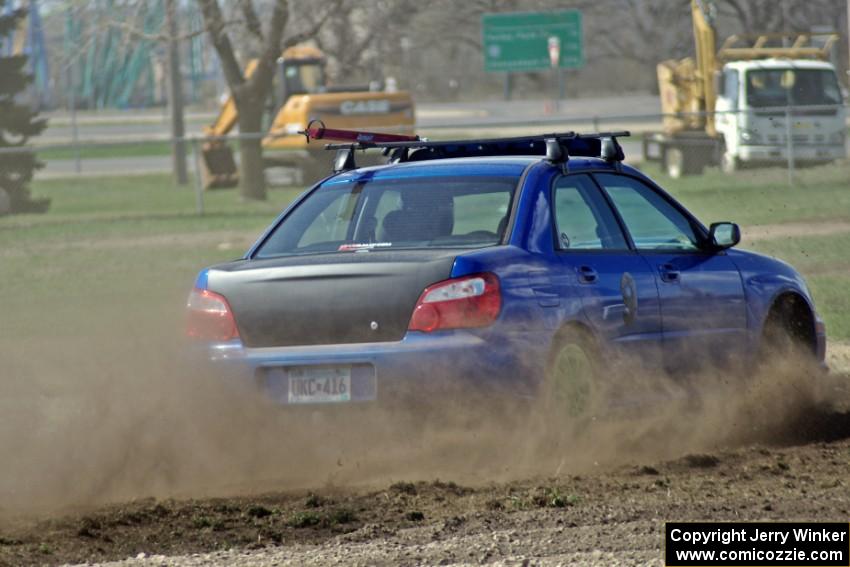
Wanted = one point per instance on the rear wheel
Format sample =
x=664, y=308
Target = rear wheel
x=571, y=392
x=679, y=161
x=568, y=401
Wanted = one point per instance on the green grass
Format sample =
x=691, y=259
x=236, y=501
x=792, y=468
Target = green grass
x=833, y=301
x=95, y=208
x=140, y=149
x=117, y=249
x=762, y=196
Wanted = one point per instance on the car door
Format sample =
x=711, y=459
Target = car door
x=703, y=309
x=617, y=286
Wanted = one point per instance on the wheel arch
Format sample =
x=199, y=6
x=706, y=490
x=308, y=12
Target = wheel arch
x=568, y=328
x=791, y=310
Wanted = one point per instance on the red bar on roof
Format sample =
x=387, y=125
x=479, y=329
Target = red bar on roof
x=319, y=132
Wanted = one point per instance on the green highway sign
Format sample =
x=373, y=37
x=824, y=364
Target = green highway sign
x=519, y=41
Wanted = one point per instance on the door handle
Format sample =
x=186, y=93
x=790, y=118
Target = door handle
x=586, y=274
x=669, y=273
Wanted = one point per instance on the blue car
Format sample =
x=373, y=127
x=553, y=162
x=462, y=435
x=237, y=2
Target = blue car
x=520, y=266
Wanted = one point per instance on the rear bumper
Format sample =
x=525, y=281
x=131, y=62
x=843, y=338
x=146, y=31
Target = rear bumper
x=802, y=153
x=421, y=364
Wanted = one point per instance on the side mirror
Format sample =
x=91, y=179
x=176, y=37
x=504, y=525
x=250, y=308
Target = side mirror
x=724, y=234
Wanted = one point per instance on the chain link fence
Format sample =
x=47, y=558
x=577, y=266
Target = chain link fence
x=794, y=139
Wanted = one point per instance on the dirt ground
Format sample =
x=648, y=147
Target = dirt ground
x=569, y=510
x=113, y=449
x=615, y=516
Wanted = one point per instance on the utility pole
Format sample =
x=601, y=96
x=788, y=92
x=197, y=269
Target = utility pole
x=175, y=97
x=847, y=76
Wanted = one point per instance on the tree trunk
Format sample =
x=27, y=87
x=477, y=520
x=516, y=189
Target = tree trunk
x=175, y=97
x=252, y=179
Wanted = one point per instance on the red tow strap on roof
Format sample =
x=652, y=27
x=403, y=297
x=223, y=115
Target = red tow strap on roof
x=316, y=131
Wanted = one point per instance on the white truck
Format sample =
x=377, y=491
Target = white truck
x=759, y=100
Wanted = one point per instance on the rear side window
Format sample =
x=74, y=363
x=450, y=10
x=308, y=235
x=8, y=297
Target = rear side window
x=438, y=212
x=583, y=220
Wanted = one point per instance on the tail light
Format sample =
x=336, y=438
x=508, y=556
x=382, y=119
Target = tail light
x=209, y=317
x=470, y=301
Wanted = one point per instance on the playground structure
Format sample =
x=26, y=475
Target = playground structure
x=29, y=40
x=104, y=64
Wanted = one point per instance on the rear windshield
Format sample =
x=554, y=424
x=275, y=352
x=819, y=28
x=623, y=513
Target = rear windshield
x=392, y=214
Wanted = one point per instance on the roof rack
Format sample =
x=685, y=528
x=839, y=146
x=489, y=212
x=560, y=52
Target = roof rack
x=556, y=148
x=792, y=45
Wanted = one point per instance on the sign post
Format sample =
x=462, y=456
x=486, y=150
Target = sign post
x=554, y=50
x=554, y=57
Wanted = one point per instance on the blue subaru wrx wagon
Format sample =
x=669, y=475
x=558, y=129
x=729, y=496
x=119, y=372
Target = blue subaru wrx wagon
x=519, y=265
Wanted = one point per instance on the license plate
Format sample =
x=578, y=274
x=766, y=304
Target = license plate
x=322, y=384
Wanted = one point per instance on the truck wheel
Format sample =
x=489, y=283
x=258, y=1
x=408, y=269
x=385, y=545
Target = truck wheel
x=729, y=164
x=679, y=162
x=674, y=162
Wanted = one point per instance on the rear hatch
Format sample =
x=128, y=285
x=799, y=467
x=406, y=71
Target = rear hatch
x=348, y=262
x=328, y=298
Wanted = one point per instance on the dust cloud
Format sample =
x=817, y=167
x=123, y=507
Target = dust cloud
x=113, y=410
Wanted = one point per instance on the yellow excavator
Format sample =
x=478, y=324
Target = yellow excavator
x=301, y=96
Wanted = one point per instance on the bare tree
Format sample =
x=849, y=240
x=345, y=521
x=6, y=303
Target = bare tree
x=761, y=16
x=644, y=32
x=362, y=39
x=250, y=93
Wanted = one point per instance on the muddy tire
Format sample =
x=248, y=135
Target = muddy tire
x=572, y=393
x=789, y=328
x=788, y=351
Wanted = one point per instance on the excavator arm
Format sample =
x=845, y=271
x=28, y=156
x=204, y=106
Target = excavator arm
x=702, y=14
x=687, y=86
x=219, y=167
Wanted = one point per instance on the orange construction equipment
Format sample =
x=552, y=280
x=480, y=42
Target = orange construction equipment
x=302, y=96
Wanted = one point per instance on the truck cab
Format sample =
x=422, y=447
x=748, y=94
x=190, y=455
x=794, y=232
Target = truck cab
x=759, y=102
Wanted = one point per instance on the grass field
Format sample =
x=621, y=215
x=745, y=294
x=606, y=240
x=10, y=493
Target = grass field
x=110, y=241
x=108, y=151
